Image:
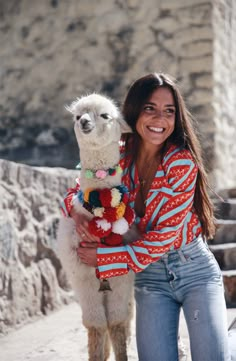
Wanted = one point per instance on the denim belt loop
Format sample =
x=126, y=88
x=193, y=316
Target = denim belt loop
x=182, y=256
x=164, y=259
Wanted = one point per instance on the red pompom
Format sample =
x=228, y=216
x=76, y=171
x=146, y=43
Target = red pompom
x=96, y=227
x=105, y=197
x=125, y=198
x=110, y=214
x=113, y=239
x=129, y=215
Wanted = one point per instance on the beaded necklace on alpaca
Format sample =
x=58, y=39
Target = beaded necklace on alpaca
x=101, y=173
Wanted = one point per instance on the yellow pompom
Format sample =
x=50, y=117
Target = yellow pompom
x=86, y=194
x=118, y=169
x=120, y=210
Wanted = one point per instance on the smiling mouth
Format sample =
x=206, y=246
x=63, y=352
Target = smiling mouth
x=156, y=130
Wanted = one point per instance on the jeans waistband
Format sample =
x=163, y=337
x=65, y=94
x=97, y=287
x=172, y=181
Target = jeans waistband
x=186, y=247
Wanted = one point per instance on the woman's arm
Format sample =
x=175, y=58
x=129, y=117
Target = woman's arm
x=67, y=204
x=81, y=220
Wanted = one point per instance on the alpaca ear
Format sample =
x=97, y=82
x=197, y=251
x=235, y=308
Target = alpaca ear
x=71, y=108
x=125, y=128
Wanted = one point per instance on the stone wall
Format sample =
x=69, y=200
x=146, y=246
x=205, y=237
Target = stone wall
x=224, y=90
x=53, y=51
x=31, y=279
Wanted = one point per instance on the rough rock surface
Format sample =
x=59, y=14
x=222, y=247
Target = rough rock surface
x=53, y=51
x=32, y=282
x=31, y=278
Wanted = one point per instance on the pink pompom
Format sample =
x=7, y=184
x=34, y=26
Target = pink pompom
x=101, y=174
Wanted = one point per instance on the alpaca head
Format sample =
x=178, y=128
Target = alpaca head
x=98, y=121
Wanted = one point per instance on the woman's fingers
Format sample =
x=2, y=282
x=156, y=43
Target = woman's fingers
x=88, y=256
x=89, y=244
x=85, y=236
x=83, y=233
x=81, y=222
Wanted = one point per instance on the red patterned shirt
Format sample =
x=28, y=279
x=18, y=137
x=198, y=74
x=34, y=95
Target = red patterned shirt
x=170, y=220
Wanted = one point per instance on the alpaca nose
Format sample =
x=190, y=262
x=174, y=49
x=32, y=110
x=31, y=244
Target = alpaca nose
x=86, y=123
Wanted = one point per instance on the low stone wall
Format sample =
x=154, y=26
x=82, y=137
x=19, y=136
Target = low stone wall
x=31, y=279
x=32, y=282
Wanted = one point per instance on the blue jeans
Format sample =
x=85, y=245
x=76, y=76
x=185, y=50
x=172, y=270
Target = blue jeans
x=189, y=278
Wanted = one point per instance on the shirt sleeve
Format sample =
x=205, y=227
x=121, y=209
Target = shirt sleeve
x=178, y=187
x=67, y=204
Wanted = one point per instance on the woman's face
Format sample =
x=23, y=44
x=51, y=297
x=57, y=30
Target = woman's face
x=156, y=121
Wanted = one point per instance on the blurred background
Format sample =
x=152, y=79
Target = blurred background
x=52, y=51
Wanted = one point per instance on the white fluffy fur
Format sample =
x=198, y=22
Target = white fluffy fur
x=110, y=312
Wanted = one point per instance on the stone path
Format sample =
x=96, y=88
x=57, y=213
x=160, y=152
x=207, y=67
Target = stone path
x=61, y=337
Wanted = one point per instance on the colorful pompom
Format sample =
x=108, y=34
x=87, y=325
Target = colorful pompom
x=80, y=196
x=118, y=169
x=129, y=215
x=99, y=227
x=120, y=226
x=94, y=198
x=89, y=174
x=112, y=171
x=113, y=240
x=115, y=197
x=101, y=174
x=105, y=197
x=120, y=210
x=122, y=188
x=98, y=212
x=86, y=194
x=110, y=214
x=125, y=198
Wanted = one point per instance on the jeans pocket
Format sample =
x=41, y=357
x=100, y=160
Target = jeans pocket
x=203, y=265
x=201, y=255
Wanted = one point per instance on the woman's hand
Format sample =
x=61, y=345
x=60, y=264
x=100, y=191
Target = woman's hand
x=88, y=255
x=81, y=222
x=87, y=250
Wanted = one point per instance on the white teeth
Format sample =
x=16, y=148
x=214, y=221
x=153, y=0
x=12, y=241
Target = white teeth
x=157, y=130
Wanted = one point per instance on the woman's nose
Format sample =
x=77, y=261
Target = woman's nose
x=159, y=114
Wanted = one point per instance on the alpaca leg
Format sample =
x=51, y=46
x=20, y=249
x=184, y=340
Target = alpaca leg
x=181, y=350
x=107, y=347
x=118, y=334
x=96, y=343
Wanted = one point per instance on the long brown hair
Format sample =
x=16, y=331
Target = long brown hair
x=184, y=136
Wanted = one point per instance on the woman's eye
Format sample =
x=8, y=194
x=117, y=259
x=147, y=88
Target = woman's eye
x=105, y=116
x=170, y=111
x=78, y=117
x=148, y=108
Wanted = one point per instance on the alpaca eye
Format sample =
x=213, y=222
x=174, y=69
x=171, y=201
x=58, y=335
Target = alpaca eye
x=78, y=117
x=105, y=116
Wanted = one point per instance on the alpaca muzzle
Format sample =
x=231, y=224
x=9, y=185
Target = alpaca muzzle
x=86, y=124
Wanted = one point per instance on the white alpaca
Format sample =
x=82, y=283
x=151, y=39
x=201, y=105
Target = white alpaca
x=98, y=128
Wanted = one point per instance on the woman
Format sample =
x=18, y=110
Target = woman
x=174, y=267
